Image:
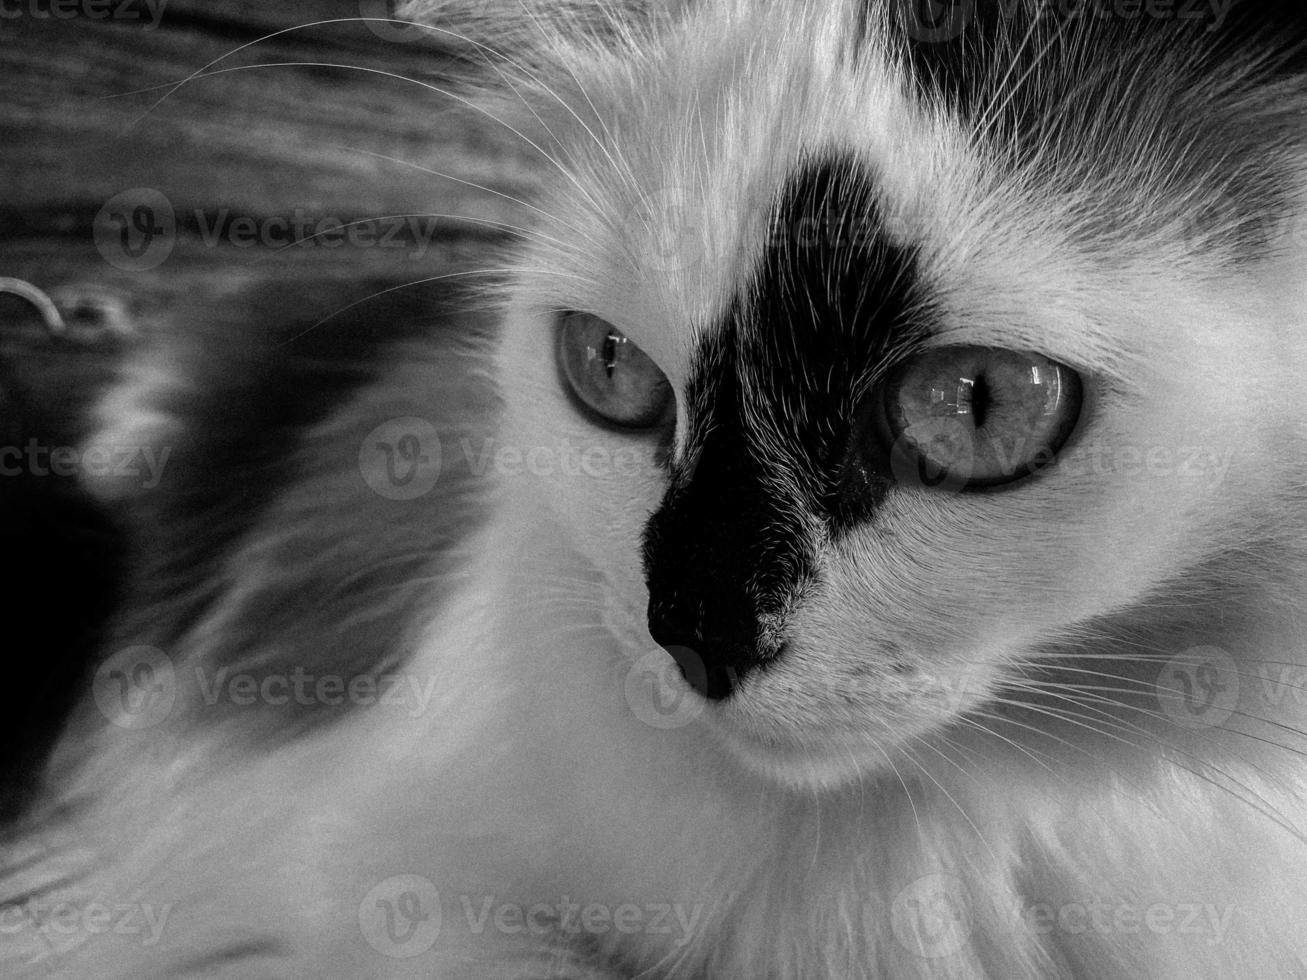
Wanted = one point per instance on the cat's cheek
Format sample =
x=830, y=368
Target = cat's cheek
x=593, y=490
x=595, y=483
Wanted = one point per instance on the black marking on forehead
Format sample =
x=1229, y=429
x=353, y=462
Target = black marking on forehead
x=772, y=399
x=962, y=51
x=1173, y=114
x=954, y=47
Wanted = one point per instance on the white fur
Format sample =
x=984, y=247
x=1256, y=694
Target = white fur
x=808, y=825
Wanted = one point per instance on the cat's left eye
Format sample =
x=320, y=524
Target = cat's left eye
x=972, y=418
x=610, y=375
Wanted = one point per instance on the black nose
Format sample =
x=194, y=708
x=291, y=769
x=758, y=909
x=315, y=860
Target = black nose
x=726, y=549
x=712, y=577
x=706, y=666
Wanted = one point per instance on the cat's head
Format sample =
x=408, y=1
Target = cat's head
x=876, y=360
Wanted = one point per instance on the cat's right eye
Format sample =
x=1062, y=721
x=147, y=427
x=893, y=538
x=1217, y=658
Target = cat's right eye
x=976, y=418
x=610, y=375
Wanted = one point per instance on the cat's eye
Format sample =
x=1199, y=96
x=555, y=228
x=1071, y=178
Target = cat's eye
x=610, y=375
x=977, y=417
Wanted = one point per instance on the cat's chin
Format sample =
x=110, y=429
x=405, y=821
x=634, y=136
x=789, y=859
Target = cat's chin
x=817, y=764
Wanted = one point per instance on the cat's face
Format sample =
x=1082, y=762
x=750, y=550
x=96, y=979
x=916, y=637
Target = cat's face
x=864, y=401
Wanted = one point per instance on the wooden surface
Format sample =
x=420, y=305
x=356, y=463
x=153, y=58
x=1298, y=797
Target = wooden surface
x=104, y=154
x=228, y=176
x=82, y=124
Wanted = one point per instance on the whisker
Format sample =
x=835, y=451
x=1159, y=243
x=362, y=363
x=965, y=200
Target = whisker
x=421, y=282
x=916, y=817
x=447, y=93
x=965, y=816
x=1034, y=755
x=1147, y=688
x=512, y=199
x=527, y=233
x=623, y=169
x=1074, y=716
x=1092, y=692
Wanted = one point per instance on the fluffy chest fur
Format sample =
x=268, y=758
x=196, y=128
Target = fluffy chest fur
x=1035, y=721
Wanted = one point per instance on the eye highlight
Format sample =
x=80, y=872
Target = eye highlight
x=610, y=375
x=972, y=418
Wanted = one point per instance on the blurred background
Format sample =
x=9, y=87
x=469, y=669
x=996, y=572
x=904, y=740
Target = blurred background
x=169, y=165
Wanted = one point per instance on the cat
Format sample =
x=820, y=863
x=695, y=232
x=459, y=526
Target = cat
x=867, y=540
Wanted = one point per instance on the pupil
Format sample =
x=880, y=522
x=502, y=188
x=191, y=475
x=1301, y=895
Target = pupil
x=979, y=400
x=610, y=352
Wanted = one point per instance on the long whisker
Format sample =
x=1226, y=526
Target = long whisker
x=490, y=54
x=622, y=169
x=916, y=817
x=421, y=282
x=203, y=71
x=450, y=177
x=1041, y=759
x=958, y=806
x=1144, y=688
x=1271, y=812
x=447, y=93
x=528, y=233
x=1044, y=733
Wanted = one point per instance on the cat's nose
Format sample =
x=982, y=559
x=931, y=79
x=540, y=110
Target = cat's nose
x=704, y=663
x=716, y=563
x=724, y=554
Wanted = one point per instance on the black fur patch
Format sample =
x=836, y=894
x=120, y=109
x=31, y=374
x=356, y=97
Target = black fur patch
x=774, y=398
x=1174, y=114
x=255, y=461
x=965, y=51
x=63, y=555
